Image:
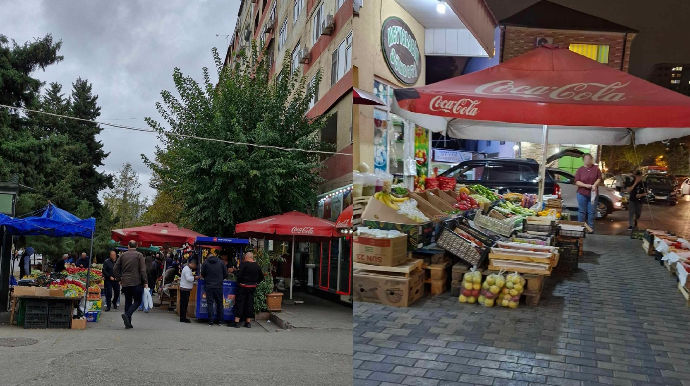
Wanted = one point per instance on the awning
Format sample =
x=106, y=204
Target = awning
x=361, y=97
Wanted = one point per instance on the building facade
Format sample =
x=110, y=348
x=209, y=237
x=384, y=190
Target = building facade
x=317, y=36
x=673, y=76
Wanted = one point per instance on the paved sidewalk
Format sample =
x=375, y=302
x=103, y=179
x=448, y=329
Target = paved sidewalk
x=313, y=313
x=619, y=320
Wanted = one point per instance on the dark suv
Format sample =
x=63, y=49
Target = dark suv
x=503, y=174
x=661, y=188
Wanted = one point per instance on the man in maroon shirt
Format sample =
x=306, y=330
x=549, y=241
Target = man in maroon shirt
x=588, y=179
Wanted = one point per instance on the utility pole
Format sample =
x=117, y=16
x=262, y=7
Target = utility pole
x=8, y=199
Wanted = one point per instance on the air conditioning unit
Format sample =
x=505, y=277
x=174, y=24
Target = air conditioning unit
x=327, y=25
x=304, y=55
x=357, y=4
x=271, y=24
x=542, y=40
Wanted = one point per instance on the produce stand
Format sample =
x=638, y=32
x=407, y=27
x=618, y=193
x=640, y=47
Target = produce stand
x=54, y=222
x=236, y=248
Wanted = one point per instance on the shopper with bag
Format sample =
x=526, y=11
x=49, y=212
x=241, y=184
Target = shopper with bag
x=112, y=287
x=213, y=271
x=588, y=179
x=130, y=270
x=248, y=276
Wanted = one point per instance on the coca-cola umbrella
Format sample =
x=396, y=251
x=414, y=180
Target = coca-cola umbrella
x=548, y=95
x=294, y=226
x=344, y=220
x=156, y=234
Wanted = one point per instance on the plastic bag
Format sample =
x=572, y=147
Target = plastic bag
x=146, y=300
x=491, y=289
x=471, y=284
x=510, y=294
x=150, y=298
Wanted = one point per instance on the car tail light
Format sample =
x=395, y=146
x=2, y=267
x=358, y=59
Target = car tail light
x=556, y=190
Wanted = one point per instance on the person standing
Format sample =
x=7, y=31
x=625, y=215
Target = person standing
x=130, y=270
x=588, y=179
x=25, y=262
x=112, y=287
x=83, y=261
x=60, y=264
x=186, y=285
x=637, y=191
x=213, y=271
x=248, y=276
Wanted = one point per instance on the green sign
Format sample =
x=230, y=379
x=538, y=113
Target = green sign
x=400, y=50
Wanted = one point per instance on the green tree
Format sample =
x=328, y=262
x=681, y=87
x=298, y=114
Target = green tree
x=164, y=208
x=124, y=199
x=221, y=184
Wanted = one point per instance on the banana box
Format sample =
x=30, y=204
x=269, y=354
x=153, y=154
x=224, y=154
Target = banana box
x=388, y=290
x=389, y=252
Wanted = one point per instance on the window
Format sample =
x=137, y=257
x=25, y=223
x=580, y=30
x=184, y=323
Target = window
x=471, y=172
x=317, y=22
x=675, y=81
x=313, y=86
x=295, y=59
x=498, y=172
x=563, y=178
x=600, y=53
x=677, y=69
x=341, y=59
x=339, y=3
x=296, y=10
x=282, y=36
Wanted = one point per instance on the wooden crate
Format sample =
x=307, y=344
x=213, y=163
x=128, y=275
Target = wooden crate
x=672, y=271
x=685, y=294
x=648, y=248
x=438, y=271
x=435, y=287
x=405, y=269
x=358, y=206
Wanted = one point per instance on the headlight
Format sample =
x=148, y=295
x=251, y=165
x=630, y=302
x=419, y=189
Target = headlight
x=618, y=204
x=616, y=193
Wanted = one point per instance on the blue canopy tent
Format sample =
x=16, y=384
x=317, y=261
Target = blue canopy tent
x=52, y=222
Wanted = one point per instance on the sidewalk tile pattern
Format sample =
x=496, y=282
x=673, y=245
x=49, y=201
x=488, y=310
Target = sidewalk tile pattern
x=618, y=320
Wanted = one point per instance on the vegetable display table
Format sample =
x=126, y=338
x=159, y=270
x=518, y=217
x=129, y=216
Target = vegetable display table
x=16, y=298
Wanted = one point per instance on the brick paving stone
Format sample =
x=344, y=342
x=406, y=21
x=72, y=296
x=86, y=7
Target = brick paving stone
x=570, y=338
x=509, y=382
x=360, y=374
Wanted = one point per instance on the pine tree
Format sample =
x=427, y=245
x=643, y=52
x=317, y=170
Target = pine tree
x=124, y=199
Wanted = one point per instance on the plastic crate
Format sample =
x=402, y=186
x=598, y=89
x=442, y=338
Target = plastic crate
x=35, y=321
x=571, y=233
x=638, y=234
x=550, y=229
x=59, y=307
x=59, y=321
x=36, y=307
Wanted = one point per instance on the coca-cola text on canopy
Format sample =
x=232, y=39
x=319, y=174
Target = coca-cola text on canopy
x=303, y=230
x=575, y=91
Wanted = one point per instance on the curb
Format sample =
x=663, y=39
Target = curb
x=274, y=318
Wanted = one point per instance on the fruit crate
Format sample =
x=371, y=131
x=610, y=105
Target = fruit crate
x=637, y=234
x=571, y=233
x=460, y=247
x=550, y=229
x=36, y=307
x=35, y=321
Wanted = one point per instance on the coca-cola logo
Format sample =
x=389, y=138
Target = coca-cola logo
x=342, y=224
x=303, y=230
x=463, y=106
x=574, y=91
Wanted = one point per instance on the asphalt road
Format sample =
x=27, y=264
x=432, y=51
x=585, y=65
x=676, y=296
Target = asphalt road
x=654, y=216
x=160, y=350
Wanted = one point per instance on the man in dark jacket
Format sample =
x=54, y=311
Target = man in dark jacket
x=248, y=277
x=60, y=264
x=112, y=287
x=213, y=271
x=83, y=261
x=130, y=270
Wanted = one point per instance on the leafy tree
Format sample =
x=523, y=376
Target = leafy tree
x=221, y=184
x=124, y=199
x=164, y=208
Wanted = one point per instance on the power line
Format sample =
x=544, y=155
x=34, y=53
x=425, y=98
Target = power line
x=176, y=134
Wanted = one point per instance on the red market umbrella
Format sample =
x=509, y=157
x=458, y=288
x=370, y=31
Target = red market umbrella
x=345, y=218
x=548, y=95
x=295, y=226
x=361, y=97
x=156, y=234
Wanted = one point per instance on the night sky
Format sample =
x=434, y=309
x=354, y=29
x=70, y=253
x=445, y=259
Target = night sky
x=664, y=26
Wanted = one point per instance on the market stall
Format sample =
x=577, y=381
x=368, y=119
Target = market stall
x=295, y=227
x=48, y=300
x=235, y=249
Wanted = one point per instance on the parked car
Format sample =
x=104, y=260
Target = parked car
x=609, y=199
x=661, y=188
x=685, y=187
x=609, y=180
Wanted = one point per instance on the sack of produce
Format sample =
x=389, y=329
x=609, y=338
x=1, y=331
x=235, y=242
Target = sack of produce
x=491, y=289
x=471, y=283
x=510, y=294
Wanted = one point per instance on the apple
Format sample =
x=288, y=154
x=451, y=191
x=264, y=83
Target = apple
x=489, y=303
x=512, y=305
x=476, y=286
x=477, y=279
x=462, y=299
x=471, y=300
x=494, y=289
x=513, y=292
x=509, y=285
x=516, y=279
x=489, y=295
x=468, y=286
x=481, y=298
x=505, y=303
x=518, y=287
x=490, y=280
x=475, y=293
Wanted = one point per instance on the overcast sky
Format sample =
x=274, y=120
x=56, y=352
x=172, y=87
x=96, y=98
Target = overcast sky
x=128, y=50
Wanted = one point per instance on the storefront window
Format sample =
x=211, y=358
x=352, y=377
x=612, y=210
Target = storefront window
x=380, y=140
x=345, y=264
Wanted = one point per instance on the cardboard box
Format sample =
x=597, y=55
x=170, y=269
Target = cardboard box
x=437, y=202
x=93, y=316
x=447, y=198
x=56, y=293
x=387, y=252
x=378, y=215
x=79, y=324
x=388, y=290
x=24, y=291
x=39, y=291
x=93, y=305
x=426, y=207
